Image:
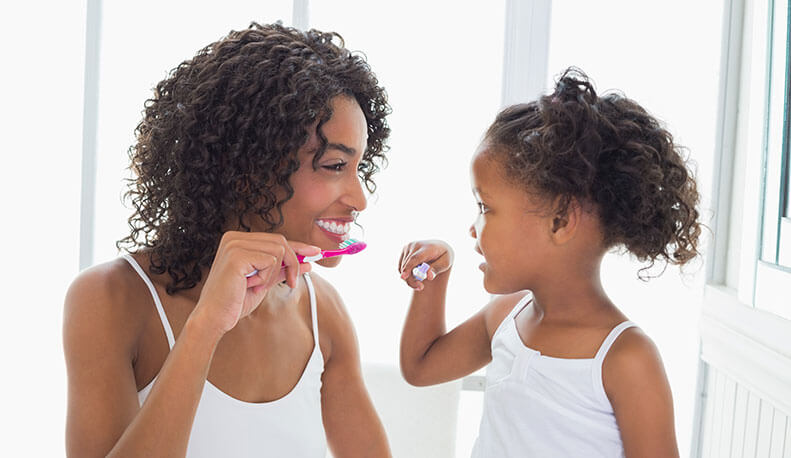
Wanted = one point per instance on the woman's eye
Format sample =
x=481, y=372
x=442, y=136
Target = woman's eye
x=481, y=207
x=335, y=167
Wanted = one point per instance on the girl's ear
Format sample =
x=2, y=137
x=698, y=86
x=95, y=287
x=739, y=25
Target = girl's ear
x=565, y=220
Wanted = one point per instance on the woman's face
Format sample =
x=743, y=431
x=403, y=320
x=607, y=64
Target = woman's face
x=326, y=199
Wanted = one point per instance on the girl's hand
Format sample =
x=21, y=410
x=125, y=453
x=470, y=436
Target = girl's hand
x=228, y=294
x=436, y=253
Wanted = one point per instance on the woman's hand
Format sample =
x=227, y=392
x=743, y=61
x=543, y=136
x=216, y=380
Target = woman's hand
x=436, y=253
x=228, y=294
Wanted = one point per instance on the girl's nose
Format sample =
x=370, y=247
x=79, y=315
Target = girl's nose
x=473, y=233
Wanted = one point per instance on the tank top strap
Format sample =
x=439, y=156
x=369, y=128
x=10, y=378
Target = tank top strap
x=313, y=312
x=160, y=310
x=520, y=305
x=523, y=302
x=610, y=339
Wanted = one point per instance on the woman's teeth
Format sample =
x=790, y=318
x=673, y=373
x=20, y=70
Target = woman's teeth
x=335, y=228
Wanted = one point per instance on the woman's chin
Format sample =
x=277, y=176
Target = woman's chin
x=329, y=262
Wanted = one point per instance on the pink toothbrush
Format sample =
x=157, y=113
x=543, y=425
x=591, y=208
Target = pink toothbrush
x=350, y=246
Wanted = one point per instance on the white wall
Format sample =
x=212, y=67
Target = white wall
x=41, y=136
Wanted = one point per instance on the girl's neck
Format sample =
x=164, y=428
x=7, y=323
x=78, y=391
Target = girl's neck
x=572, y=297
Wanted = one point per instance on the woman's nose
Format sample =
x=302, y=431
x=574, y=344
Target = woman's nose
x=473, y=233
x=355, y=195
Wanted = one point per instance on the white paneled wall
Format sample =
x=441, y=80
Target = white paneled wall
x=738, y=423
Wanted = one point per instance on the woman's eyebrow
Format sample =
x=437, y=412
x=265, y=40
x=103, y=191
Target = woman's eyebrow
x=340, y=146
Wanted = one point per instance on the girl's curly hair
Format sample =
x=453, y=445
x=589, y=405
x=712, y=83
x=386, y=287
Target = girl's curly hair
x=610, y=152
x=219, y=138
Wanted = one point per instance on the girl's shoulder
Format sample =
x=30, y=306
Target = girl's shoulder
x=500, y=307
x=632, y=347
x=632, y=361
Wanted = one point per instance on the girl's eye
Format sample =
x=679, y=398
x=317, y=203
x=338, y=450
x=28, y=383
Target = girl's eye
x=335, y=167
x=482, y=208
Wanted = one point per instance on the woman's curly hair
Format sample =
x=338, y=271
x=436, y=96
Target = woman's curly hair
x=610, y=152
x=219, y=138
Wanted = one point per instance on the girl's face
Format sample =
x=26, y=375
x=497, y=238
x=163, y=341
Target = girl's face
x=511, y=231
x=326, y=199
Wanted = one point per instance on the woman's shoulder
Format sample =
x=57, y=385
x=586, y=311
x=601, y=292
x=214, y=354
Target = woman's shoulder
x=328, y=301
x=103, y=299
x=335, y=323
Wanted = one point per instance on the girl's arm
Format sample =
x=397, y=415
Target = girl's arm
x=352, y=425
x=635, y=382
x=429, y=354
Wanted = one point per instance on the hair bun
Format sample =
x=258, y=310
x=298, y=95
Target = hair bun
x=574, y=86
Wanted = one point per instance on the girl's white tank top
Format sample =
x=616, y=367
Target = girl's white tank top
x=536, y=405
x=228, y=427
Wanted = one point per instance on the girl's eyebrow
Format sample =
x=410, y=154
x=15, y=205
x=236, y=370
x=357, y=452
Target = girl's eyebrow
x=479, y=192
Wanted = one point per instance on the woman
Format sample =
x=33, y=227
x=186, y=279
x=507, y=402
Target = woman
x=247, y=155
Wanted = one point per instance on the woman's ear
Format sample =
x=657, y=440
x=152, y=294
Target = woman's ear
x=566, y=219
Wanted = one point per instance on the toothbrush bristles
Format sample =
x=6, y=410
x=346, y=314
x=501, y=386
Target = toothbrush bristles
x=347, y=242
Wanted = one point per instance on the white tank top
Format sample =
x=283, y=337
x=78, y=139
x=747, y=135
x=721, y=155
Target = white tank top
x=228, y=427
x=539, y=406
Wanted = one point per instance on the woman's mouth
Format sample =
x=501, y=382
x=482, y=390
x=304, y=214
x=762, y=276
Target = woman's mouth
x=335, y=229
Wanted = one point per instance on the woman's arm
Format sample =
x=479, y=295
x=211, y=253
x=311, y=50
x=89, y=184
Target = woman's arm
x=635, y=382
x=100, y=342
x=352, y=425
x=103, y=414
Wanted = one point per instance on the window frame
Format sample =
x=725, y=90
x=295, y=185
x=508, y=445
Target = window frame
x=744, y=323
x=773, y=264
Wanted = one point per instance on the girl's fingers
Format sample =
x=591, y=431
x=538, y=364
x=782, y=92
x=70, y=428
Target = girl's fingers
x=405, y=255
x=416, y=254
x=409, y=263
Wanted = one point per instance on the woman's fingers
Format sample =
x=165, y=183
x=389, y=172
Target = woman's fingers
x=290, y=269
x=303, y=248
x=267, y=263
x=293, y=267
x=265, y=259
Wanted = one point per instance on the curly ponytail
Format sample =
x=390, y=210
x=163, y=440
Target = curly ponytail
x=608, y=151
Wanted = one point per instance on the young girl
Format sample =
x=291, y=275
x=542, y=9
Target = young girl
x=252, y=152
x=559, y=182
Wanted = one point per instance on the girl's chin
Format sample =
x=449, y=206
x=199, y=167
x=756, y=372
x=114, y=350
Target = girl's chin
x=494, y=287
